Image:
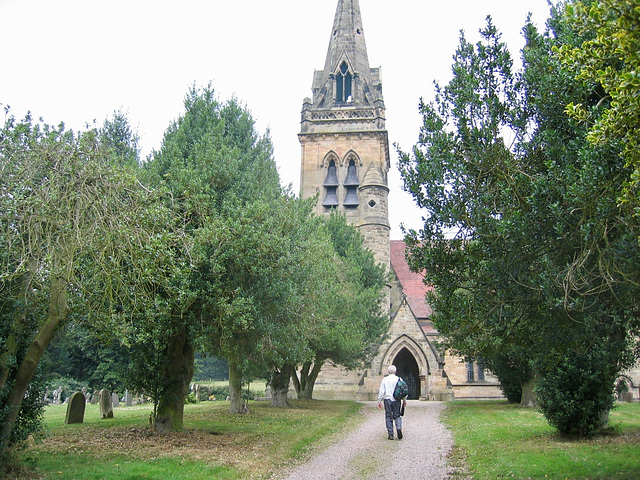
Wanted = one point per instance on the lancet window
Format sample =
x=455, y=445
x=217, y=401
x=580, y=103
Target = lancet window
x=331, y=186
x=343, y=84
x=351, y=184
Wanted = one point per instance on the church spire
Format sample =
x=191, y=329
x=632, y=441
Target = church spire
x=347, y=78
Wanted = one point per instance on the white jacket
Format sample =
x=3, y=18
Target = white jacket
x=387, y=386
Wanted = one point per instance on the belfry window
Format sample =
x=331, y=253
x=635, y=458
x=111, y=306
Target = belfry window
x=351, y=184
x=343, y=84
x=331, y=186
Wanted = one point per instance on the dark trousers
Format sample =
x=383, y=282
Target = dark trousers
x=391, y=414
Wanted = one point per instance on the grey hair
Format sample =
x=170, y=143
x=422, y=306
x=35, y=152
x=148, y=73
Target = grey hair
x=392, y=369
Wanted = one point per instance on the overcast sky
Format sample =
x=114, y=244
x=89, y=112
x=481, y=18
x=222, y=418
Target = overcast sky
x=80, y=60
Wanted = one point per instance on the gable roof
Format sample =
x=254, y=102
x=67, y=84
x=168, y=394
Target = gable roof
x=412, y=283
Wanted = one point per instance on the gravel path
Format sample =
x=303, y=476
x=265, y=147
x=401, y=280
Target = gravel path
x=365, y=453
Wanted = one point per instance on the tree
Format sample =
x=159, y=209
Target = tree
x=609, y=56
x=69, y=220
x=222, y=178
x=524, y=239
x=211, y=368
x=265, y=275
x=122, y=141
x=84, y=354
x=352, y=321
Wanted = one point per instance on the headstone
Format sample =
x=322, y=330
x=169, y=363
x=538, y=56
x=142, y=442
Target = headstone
x=128, y=399
x=75, y=409
x=106, y=404
x=57, y=394
x=115, y=400
x=628, y=397
x=197, y=393
x=95, y=398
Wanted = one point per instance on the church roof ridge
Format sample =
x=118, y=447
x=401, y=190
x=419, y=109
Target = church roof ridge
x=412, y=283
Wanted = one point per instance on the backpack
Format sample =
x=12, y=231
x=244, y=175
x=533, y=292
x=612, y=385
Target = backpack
x=401, y=390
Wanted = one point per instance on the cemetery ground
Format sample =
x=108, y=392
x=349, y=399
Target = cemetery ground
x=492, y=440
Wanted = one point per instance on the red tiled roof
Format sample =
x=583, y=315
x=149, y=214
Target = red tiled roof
x=412, y=283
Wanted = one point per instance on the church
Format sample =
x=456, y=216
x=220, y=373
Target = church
x=346, y=161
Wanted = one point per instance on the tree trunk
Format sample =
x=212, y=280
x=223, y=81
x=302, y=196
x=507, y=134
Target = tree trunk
x=528, y=398
x=238, y=405
x=296, y=384
x=301, y=384
x=604, y=421
x=280, y=386
x=18, y=331
x=308, y=377
x=58, y=311
x=178, y=372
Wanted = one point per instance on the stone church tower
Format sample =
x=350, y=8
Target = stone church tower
x=345, y=147
x=345, y=161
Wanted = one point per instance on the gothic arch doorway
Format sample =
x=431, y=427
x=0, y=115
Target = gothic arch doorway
x=407, y=368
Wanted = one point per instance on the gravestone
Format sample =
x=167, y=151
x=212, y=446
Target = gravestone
x=106, y=404
x=94, y=398
x=197, y=388
x=75, y=409
x=115, y=400
x=128, y=399
x=57, y=394
x=628, y=397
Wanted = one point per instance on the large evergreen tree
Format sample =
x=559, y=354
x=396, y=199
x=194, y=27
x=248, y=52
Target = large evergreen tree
x=214, y=165
x=524, y=239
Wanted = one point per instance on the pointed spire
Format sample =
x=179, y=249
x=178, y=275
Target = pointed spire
x=347, y=77
x=347, y=40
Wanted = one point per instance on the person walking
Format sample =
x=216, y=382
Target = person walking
x=391, y=405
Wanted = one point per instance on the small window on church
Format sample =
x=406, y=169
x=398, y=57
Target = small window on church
x=343, y=84
x=470, y=376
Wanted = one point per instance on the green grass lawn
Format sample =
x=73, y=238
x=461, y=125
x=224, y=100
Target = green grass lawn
x=496, y=440
x=493, y=441
x=214, y=445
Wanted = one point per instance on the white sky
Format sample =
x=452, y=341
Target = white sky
x=80, y=60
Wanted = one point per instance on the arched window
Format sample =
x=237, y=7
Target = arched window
x=343, y=84
x=331, y=186
x=351, y=183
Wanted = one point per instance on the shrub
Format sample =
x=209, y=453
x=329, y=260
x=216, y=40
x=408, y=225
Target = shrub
x=221, y=392
x=576, y=396
x=512, y=373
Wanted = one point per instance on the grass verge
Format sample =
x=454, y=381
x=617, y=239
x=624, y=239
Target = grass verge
x=214, y=444
x=495, y=440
